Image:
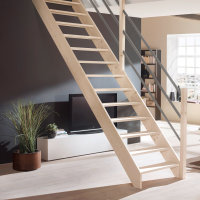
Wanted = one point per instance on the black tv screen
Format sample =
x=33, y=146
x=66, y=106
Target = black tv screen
x=82, y=119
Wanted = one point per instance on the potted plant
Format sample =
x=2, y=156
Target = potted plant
x=51, y=130
x=27, y=121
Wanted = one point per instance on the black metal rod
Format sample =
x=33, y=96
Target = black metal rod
x=136, y=50
x=149, y=48
x=105, y=23
x=117, y=2
x=152, y=74
x=141, y=58
x=153, y=98
x=110, y=11
x=153, y=54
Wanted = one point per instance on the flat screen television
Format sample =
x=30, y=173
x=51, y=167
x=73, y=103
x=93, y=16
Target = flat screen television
x=82, y=119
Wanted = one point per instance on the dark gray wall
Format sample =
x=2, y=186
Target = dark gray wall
x=32, y=68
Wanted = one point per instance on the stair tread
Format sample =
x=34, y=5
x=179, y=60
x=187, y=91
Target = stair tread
x=156, y=167
x=148, y=150
x=68, y=13
x=87, y=49
x=86, y=37
x=125, y=119
x=120, y=104
x=138, y=134
x=105, y=76
x=68, y=3
x=96, y=62
x=74, y=24
x=112, y=89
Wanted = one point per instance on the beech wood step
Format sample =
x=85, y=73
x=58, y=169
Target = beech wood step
x=88, y=49
x=84, y=37
x=127, y=119
x=157, y=167
x=148, y=150
x=121, y=104
x=97, y=62
x=138, y=134
x=74, y=24
x=67, y=3
x=104, y=76
x=68, y=13
x=112, y=89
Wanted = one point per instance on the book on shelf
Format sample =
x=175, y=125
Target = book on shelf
x=149, y=59
x=150, y=103
x=151, y=87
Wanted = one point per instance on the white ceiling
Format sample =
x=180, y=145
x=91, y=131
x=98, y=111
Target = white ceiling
x=152, y=8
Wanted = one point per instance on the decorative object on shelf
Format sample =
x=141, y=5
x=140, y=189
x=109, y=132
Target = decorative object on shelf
x=178, y=95
x=27, y=120
x=172, y=96
x=145, y=73
x=60, y=132
x=154, y=87
x=149, y=59
x=144, y=89
x=151, y=87
x=51, y=130
x=150, y=103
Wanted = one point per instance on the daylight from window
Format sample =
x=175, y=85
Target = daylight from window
x=183, y=63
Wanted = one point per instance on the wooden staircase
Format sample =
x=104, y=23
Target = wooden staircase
x=125, y=156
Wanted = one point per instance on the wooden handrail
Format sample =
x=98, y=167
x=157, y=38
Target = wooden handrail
x=183, y=141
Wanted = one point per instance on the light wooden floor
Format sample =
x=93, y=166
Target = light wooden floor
x=101, y=177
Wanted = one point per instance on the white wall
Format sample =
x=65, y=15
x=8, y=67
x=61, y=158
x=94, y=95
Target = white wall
x=155, y=31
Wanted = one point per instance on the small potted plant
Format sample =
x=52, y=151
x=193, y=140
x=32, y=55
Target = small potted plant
x=51, y=130
x=27, y=121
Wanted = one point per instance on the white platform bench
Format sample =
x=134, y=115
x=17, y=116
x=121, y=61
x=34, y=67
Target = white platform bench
x=66, y=146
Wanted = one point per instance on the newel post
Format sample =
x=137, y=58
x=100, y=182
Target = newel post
x=122, y=25
x=183, y=133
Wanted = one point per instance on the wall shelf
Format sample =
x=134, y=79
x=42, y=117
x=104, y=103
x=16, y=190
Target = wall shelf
x=150, y=81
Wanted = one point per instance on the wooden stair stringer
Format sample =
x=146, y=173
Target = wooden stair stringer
x=89, y=93
x=141, y=110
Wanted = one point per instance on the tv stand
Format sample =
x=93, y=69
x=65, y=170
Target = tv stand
x=66, y=146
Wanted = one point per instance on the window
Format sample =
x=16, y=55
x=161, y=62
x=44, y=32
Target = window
x=183, y=63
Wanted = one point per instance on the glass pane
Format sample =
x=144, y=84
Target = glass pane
x=198, y=41
x=181, y=70
x=181, y=62
x=197, y=62
x=198, y=51
x=181, y=41
x=181, y=51
x=190, y=51
x=190, y=41
x=190, y=71
x=198, y=71
x=190, y=62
